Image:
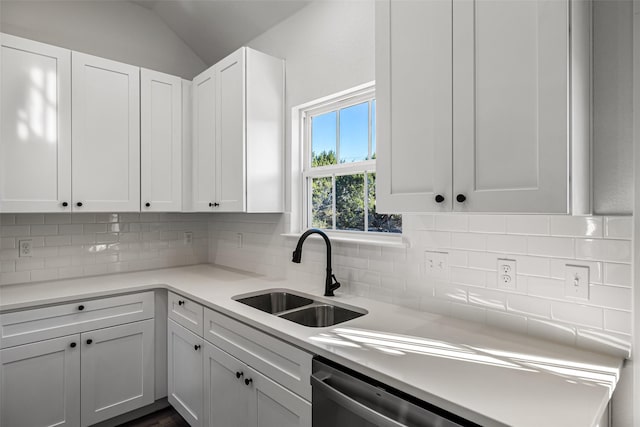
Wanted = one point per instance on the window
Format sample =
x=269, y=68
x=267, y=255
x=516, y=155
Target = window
x=339, y=165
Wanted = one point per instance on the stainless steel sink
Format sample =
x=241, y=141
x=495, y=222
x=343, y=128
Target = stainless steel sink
x=302, y=309
x=321, y=315
x=275, y=302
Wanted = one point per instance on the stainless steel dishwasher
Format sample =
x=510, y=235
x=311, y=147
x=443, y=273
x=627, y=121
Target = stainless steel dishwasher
x=344, y=398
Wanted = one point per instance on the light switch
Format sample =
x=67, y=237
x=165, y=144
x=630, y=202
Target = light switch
x=576, y=282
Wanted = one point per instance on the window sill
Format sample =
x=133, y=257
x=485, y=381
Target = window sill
x=386, y=241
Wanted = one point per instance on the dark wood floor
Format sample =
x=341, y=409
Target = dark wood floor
x=165, y=418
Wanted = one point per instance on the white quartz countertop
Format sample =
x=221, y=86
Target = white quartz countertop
x=488, y=376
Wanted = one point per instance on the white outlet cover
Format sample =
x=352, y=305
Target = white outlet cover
x=507, y=274
x=25, y=248
x=188, y=238
x=576, y=281
x=436, y=265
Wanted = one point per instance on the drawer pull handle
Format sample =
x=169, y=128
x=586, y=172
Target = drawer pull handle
x=65, y=204
x=460, y=198
x=79, y=204
x=81, y=307
x=248, y=381
x=72, y=345
x=439, y=198
x=239, y=374
x=196, y=347
x=181, y=302
x=89, y=341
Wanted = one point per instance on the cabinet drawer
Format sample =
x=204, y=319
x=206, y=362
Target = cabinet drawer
x=38, y=324
x=186, y=313
x=282, y=362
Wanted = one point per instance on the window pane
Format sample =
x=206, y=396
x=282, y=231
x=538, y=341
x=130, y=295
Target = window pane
x=323, y=140
x=354, y=133
x=373, y=129
x=350, y=202
x=381, y=222
x=322, y=206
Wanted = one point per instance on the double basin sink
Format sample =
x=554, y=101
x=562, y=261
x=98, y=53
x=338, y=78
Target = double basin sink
x=300, y=308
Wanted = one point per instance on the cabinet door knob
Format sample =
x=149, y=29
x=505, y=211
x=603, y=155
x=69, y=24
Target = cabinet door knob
x=248, y=381
x=180, y=302
x=439, y=198
x=461, y=198
x=72, y=345
x=196, y=347
x=79, y=204
x=89, y=341
x=65, y=204
x=239, y=374
x=147, y=204
x=80, y=307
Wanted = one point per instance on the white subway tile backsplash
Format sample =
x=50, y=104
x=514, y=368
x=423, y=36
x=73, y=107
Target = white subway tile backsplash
x=617, y=321
x=577, y=314
x=578, y=226
x=529, y=306
x=528, y=224
x=507, y=244
x=468, y=276
x=434, y=239
x=507, y=321
x=14, y=230
x=29, y=219
x=44, y=230
x=545, y=287
x=550, y=246
x=611, y=297
x=469, y=241
x=451, y=223
x=605, y=250
x=617, y=274
x=75, y=245
x=487, y=298
x=450, y=292
x=468, y=312
x=488, y=224
x=618, y=227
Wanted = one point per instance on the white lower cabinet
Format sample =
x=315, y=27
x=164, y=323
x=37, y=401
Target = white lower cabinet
x=95, y=361
x=239, y=396
x=40, y=384
x=185, y=379
x=117, y=370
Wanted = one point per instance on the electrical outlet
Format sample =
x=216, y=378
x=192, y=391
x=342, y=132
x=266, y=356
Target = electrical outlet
x=187, y=238
x=506, y=274
x=25, y=247
x=436, y=265
x=576, y=281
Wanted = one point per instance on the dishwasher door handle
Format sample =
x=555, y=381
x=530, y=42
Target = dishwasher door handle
x=353, y=405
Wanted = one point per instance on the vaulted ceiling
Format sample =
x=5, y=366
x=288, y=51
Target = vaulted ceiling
x=215, y=28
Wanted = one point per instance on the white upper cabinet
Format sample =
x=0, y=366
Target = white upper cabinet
x=106, y=135
x=476, y=106
x=35, y=126
x=238, y=139
x=203, y=138
x=161, y=141
x=414, y=105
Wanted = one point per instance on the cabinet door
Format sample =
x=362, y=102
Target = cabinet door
x=230, y=133
x=185, y=380
x=271, y=405
x=117, y=370
x=204, y=140
x=511, y=116
x=226, y=396
x=161, y=141
x=40, y=384
x=106, y=135
x=35, y=126
x=414, y=106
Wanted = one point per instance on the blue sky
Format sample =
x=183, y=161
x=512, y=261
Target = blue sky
x=354, y=132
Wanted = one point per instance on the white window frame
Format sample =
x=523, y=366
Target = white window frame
x=302, y=171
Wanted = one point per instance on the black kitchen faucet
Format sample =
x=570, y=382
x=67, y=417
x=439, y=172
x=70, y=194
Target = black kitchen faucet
x=331, y=283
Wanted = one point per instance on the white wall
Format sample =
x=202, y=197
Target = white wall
x=117, y=30
x=328, y=47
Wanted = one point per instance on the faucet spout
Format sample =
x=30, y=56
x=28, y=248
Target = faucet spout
x=331, y=283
